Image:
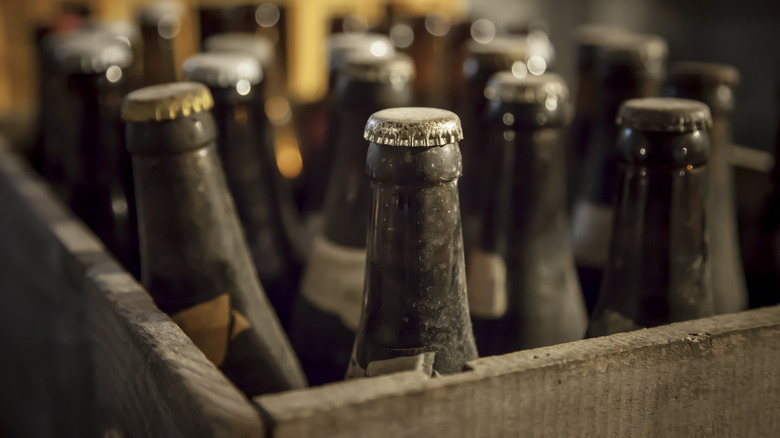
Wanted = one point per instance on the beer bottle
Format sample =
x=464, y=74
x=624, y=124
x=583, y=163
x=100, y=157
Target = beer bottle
x=318, y=122
x=194, y=261
x=94, y=66
x=627, y=66
x=659, y=259
x=328, y=312
x=588, y=41
x=415, y=300
x=482, y=62
x=245, y=144
x=160, y=24
x=714, y=84
x=522, y=284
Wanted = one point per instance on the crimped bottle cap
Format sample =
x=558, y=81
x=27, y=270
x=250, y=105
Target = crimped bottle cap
x=151, y=14
x=500, y=50
x=341, y=45
x=90, y=51
x=530, y=89
x=664, y=114
x=223, y=70
x=704, y=72
x=166, y=102
x=396, y=68
x=413, y=127
x=260, y=47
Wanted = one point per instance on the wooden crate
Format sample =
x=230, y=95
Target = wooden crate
x=86, y=352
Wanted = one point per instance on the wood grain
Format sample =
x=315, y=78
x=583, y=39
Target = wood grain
x=102, y=358
x=711, y=377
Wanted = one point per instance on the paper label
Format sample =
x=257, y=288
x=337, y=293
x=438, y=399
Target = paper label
x=591, y=233
x=333, y=281
x=486, y=284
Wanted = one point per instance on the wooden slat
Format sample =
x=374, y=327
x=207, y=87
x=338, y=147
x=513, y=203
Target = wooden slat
x=87, y=340
x=711, y=377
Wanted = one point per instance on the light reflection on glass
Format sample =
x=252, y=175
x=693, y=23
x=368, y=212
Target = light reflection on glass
x=536, y=65
x=113, y=73
x=267, y=15
x=402, y=35
x=243, y=87
x=483, y=30
x=519, y=69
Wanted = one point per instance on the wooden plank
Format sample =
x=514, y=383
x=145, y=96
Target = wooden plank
x=129, y=370
x=711, y=377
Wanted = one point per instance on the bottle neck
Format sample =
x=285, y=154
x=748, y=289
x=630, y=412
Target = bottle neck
x=348, y=196
x=159, y=59
x=658, y=269
x=415, y=297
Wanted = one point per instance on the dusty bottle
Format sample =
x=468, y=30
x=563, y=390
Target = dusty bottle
x=245, y=141
x=483, y=61
x=94, y=66
x=415, y=299
x=160, y=24
x=522, y=284
x=328, y=312
x=588, y=41
x=194, y=260
x=715, y=84
x=319, y=122
x=659, y=259
x=627, y=66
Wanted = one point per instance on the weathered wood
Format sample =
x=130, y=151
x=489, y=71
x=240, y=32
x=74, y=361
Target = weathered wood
x=711, y=377
x=86, y=351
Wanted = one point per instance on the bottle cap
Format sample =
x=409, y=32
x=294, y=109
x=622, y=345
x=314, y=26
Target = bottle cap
x=159, y=12
x=90, y=52
x=704, y=72
x=255, y=45
x=501, y=51
x=341, y=45
x=413, y=127
x=596, y=35
x=394, y=69
x=664, y=114
x=224, y=70
x=548, y=89
x=126, y=31
x=166, y=102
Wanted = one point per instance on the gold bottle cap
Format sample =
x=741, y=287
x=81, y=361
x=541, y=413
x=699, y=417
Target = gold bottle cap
x=166, y=102
x=664, y=114
x=413, y=127
x=260, y=47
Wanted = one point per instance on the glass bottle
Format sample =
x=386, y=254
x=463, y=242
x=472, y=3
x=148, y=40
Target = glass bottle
x=522, y=284
x=328, y=312
x=245, y=141
x=483, y=61
x=194, y=260
x=715, y=84
x=160, y=24
x=626, y=66
x=415, y=301
x=95, y=68
x=659, y=259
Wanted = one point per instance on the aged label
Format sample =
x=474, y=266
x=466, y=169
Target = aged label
x=333, y=281
x=207, y=325
x=486, y=284
x=591, y=233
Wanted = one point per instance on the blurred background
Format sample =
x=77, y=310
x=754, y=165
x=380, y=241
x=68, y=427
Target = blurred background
x=717, y=31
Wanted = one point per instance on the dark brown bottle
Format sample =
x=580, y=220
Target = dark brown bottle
x=415, y=291
x=483, y=61
x=94, y=66
x=328, y=312
x=715, y=85
x=245, y=143
x=160, y=24
x=659, y=259
x=588, y=41
x=318, y=122
x=626, y=66
x=217, y=17
x=522, y=284
x=194, y=259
